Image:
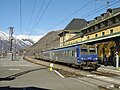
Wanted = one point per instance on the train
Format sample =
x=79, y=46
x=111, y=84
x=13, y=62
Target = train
x=82, y=56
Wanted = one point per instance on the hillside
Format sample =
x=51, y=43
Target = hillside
x=51, y=40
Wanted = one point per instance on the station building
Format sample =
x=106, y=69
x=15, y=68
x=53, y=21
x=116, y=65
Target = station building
x=103, y=31
x=71, y=30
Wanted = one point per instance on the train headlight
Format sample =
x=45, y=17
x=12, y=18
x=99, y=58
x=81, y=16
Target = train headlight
x=82, y=58
x=95, y=58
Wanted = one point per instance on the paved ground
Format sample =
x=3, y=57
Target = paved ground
x=109, y=69
x=27, y=74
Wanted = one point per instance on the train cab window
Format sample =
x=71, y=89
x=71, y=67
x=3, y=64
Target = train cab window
x=92, y=50
x=84, y=51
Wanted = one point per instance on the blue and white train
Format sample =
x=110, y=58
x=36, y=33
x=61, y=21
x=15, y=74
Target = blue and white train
x=83, y=56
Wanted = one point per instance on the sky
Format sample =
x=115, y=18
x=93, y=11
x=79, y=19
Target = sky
x=37, y=17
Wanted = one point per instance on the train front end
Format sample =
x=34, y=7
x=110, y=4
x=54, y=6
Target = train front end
x=88, y=58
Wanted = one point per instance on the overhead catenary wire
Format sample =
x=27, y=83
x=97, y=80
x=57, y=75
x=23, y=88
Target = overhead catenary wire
x=36, y=23
x=21, y=16
x=39, y=11
x=72, y=14
x=33, y=10
x=44, y=11
x=100, y=9
x=103, y=7
x=93, y=10
x=37, y=18
x=89, y=14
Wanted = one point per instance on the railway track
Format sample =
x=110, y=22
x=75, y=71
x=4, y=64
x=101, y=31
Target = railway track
x=101, y=80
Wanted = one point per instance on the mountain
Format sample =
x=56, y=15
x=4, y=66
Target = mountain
x=19, y=41
x=48, y=41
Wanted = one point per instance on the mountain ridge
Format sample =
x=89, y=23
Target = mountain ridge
x=19, y=41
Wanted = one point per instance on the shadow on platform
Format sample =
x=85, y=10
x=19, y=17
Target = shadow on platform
x=14, y=76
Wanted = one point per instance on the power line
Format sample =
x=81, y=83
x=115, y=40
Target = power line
x=32, y=14
x=41, y=16
x=100, y=9
x=92, y=11
x=21, y=16
x=71, y=14
x=44, y=12
x=36, y=19
x=89, y=14
x=39, y=12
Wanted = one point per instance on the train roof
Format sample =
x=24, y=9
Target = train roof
x=68, y=46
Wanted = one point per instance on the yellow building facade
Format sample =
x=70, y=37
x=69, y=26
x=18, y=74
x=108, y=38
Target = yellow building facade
x=106, y=25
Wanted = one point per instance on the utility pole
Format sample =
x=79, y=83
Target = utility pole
x=2, y=52
x=11, y=39
x=15, y=50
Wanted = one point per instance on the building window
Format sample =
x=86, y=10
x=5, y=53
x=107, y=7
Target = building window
x=96, y=35
x=111, y=31
x=103, y=33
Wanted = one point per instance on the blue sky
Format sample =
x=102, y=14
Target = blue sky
x=51, y=14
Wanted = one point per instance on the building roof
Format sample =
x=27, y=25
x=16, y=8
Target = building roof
x=76, y=24
x=109, y=14
x=114, y=12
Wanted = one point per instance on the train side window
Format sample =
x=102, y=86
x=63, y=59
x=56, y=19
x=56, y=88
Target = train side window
x=53, y=54
x=70, y=53
x=73, y=52
x=67, y=53
x=63, y=53
x=60, y=53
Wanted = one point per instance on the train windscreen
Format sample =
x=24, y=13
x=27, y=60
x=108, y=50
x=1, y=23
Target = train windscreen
x=84, y=51
x=92, y=50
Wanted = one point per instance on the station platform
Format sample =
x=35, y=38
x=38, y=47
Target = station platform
x=109, y=69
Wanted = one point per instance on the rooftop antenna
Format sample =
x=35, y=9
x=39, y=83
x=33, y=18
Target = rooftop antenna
x=105, y=1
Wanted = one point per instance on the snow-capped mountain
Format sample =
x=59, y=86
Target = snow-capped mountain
x=19, y=41
x=4, y=36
